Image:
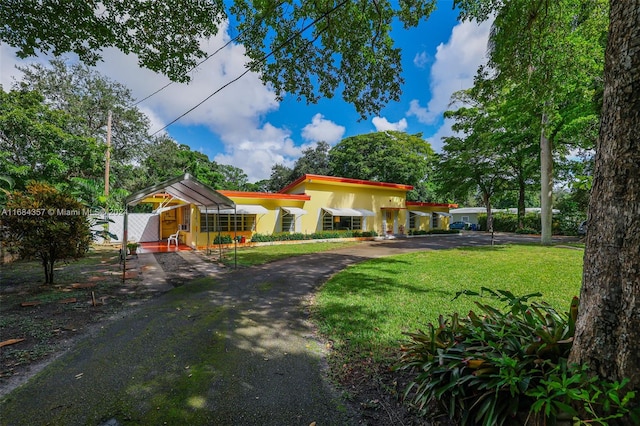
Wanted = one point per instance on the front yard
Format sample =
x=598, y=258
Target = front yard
x=38, y=321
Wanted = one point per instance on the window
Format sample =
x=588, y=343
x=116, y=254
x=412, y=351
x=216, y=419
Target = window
x=288, y=222
x=185, y=214
x=330, y=222
x=414, y=221
x=435, y=220
x=465, y=218
x=227, y=222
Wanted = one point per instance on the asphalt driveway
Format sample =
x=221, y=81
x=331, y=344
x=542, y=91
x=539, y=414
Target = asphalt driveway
x=234, y=349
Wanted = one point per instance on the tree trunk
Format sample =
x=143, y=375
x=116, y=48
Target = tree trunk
x=487, y=203
x=607, y=332
x=522, y=187
x=546, y=182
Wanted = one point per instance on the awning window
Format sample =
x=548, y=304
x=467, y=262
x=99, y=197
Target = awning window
x=348, y=212
x=419, y=213
x=443, y=214
x=294, y=211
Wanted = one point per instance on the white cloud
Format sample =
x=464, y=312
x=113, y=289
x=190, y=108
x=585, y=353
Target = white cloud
x=443, y=131
x=454, y=68
x=382, y=124
x=321, y=129
x=421, y=59
x=260, y=150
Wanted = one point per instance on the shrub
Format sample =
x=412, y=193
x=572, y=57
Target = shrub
x=443, y=231
x=491, y=368
x=320, y=235
x=222, y=239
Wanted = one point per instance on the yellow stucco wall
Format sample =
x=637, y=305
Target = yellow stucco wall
x=375, y=199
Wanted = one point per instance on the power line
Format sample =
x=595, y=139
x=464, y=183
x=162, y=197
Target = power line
x=264, y=58
x=212, y=55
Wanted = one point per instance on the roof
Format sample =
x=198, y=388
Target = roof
x=350, y=181
x=265, y=195
x=424, y=204
x=185, y=188
x=469, y=210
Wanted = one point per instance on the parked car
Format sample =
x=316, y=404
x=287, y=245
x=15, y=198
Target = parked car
x=459, y=225
x=582, y=228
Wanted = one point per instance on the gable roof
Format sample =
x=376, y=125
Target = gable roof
x=185, y=188
x=342, y=180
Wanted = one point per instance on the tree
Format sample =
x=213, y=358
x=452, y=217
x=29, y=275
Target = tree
x=313, y=161
x=167, y=159
x=389, y=156
x=554, y=49
x=45, y=224
x=89, y=96
x=280, y=177
x=38, y=143
x=165, y=36
x=609, y=317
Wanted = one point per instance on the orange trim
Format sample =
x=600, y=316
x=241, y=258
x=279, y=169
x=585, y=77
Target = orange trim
x=336, y=179
x=423, y=204
x=265, y=195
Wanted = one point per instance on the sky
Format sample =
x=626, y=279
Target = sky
x=245, y=126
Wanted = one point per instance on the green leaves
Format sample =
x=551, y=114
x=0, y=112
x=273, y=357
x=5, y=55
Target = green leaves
x=164, y=35
x=485, y=364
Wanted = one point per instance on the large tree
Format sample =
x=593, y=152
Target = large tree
x=38, y=142
x=89, y=97
x=388, y=156
x=609, y=319
x=553, y=48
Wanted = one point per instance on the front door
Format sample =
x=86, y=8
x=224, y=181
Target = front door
x=389, y=221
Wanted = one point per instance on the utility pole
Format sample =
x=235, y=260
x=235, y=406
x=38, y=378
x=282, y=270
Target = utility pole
x=107, y=167
x=108, y=157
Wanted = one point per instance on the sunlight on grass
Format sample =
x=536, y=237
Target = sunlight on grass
x=367, y=307
x=251, y=256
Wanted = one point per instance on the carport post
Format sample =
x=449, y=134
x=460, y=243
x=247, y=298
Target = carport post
x=219, y=234
x=235, y=236
x=123, y=251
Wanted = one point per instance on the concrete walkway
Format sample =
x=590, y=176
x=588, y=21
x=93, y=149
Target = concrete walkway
x=234, y=350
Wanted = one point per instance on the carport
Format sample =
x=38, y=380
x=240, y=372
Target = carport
x=185, y=188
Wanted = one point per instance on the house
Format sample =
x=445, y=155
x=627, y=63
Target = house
x=467, y=214
x=313, y=203
x=470, y=214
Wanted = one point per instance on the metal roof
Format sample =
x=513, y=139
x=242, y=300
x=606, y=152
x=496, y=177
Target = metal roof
x=186, y=188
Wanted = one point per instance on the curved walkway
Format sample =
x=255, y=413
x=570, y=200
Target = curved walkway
x=236, y=349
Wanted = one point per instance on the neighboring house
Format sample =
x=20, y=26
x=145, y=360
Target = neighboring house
x=312, y=203
x=470, y=214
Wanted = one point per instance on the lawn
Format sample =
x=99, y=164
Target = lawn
x=365, y=309
x=250, y=256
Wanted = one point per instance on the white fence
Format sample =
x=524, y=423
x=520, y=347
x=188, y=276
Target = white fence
x=142, y=227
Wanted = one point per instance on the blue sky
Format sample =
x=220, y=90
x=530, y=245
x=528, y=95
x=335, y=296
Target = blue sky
x=246, y=127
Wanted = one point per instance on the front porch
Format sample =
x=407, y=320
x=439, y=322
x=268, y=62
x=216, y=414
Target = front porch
x=161, y=247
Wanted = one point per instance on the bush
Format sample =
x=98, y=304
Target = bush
x=222, y=239
x=491, y=368
x=320, y=235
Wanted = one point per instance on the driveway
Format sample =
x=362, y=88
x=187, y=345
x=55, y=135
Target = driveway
x=234, y=349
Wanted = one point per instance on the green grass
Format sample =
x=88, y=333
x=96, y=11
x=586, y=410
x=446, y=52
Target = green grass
x=365, y=309
x=250, y=256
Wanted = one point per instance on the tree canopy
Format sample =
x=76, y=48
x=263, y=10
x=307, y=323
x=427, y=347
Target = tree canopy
x=388, y=156
x=165, y=36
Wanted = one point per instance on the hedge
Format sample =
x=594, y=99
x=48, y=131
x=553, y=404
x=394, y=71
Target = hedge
x=320, y=235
